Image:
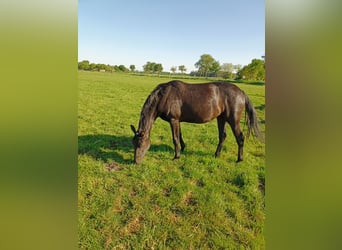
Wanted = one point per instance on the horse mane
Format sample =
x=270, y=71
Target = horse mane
x=149, y=110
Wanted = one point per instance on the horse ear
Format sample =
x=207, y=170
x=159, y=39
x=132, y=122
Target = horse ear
x=133, y=129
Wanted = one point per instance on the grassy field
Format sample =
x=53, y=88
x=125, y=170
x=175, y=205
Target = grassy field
x=196, y=202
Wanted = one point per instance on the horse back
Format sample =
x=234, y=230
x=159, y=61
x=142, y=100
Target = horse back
x=197, y=103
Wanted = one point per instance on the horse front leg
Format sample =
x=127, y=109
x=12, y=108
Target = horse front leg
x=175, y=128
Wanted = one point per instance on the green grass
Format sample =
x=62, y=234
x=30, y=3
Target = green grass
x=196, y=202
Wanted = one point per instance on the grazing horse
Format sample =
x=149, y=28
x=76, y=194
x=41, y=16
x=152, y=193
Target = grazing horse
x=177, y=102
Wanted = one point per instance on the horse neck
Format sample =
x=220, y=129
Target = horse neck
x=147, y=118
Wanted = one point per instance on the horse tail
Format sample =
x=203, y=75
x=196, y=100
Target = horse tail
x=252, y=120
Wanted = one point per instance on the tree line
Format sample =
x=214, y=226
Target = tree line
x=209, y=67
x=86, y=65
x=206, y=66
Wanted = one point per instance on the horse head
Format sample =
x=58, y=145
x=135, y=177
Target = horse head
x=141, y=143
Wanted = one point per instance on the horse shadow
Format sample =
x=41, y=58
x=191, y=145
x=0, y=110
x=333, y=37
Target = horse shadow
x=110, y=148
x=256, y=83
x=260, y=107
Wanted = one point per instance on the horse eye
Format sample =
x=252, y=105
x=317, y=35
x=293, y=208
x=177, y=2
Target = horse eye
x=136, y=141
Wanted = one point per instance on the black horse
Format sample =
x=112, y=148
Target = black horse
x=177, y=102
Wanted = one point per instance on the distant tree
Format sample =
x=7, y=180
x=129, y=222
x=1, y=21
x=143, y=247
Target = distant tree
x=227, y=67
x=132, y=67
x=92, y=66
x=215, y=67
x=173, y=69
x=122, y=68
x=148, y=67
x=145, y=67
x=109, y=68
x=226, y=71
x=206, y=64
x=152, y=67
x=157, y=68
x=253, y=71
x=182, y=68
x=84, y=65
x=237, y=67
x=100, y=66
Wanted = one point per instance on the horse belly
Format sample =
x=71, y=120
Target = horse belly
x=194, y=119
x=199, y=114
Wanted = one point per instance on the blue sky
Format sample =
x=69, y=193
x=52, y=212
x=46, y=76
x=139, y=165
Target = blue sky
x=169, y=32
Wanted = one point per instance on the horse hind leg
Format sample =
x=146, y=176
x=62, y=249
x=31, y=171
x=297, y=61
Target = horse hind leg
x=181, y=139
x=240, y=141
x=239, y=137
x=221, y=124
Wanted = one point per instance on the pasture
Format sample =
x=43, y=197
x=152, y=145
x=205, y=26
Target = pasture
x=195, y=202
